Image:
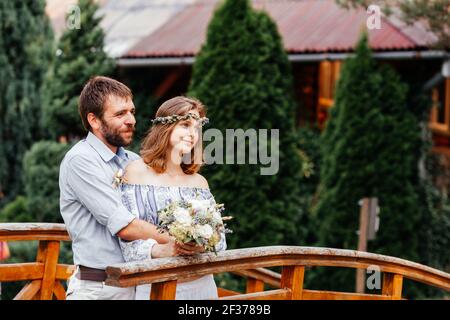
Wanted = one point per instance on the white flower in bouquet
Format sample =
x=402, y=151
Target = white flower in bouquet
x=181, y=232
x=182, y=216
x=204, y=231
x=216, y=217
x=200, y=207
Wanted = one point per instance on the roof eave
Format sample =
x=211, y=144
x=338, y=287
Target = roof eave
x=293, y=57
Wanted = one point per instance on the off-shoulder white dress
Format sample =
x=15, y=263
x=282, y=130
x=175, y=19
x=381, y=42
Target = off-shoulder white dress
x=144, y=201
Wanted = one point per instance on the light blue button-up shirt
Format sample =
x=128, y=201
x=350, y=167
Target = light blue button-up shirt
x=90, y=205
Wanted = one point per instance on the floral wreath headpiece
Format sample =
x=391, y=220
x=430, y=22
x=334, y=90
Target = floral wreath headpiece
x=175, y=117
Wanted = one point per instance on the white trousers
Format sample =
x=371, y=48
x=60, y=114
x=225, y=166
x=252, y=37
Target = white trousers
x=94, y=290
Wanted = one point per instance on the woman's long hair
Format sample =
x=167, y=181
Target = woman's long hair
x=156, y=144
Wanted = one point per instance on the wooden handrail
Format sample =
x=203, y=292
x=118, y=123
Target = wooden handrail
x=171, y=269
x=45, y=274
x=33, y=231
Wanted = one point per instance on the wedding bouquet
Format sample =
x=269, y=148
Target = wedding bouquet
x=198, y=221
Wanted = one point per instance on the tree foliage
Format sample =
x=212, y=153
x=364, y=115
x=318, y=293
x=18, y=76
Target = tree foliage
x=26, y=47
x=369, y=150
x=244, y=78
x=80, y=56
x=41, y=173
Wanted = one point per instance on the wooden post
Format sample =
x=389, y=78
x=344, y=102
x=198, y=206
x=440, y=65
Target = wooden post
x=292, y=278
x=254, y=285
x=59, y=291
x=392, y=285
x=48, y=253
x=29, y=291
x=164, y=290
x=362, y=242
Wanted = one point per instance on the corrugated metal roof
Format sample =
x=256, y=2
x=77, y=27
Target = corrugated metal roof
x=308, y=26
x=125, y=22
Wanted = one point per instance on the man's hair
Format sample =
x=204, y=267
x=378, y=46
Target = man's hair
x=94, y=95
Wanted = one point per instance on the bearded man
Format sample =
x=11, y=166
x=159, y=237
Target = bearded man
x=90, y=201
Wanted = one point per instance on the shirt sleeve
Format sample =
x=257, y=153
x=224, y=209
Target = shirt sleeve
x=95, y=191
x=137, y=250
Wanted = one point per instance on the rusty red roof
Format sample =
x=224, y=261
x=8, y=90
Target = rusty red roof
x=306, y=26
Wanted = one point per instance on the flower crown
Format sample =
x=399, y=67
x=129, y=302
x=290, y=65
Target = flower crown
x=175, y=117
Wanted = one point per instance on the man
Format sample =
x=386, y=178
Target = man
x=90, y=203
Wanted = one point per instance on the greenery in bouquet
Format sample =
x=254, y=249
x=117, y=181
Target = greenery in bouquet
x=198, y=221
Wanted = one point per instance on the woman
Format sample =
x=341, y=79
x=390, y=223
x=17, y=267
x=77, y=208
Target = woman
x=168, y=171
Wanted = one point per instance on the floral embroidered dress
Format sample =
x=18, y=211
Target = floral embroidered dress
x=144, y=201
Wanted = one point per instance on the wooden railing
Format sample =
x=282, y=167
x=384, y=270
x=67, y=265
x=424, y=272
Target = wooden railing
x=45, y=274
x=163, y=273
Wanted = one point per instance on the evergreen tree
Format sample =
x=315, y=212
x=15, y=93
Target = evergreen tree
x=41, y=175
x=243, y=76
x=80, y=56
x=16, y=211
x=25, y=54
x=369, y=150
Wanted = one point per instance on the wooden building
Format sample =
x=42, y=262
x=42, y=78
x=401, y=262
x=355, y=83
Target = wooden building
x=317, y=34
x=155, y=43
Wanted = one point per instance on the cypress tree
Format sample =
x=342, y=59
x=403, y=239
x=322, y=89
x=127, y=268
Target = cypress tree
x=25, y=54
x=369, y=150
x=80, y=56
x=41, y=172
x=243, y=76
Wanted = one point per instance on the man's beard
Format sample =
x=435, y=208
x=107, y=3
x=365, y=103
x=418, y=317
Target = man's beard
x=113, y=137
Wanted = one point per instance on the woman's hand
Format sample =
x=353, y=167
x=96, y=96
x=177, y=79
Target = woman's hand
x=190, y=248
x=173, y=249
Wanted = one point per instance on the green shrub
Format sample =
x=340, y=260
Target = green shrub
x=243, y=76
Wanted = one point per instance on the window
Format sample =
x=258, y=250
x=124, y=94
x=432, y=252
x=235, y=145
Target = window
x=440, y=111
x=328, y=76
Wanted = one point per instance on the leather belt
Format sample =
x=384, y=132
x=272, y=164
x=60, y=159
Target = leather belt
x=92, y=274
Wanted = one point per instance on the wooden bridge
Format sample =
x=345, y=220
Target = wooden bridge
x=45, y=274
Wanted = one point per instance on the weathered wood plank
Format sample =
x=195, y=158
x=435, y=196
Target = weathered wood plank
x=29, y=291
x=278, y=294
x=33, y=231
x=333, y=295
x=392, y=285
x=21, y=271
x=164, y=290
x=292, y=278
x=59, y=291
x=251, y=258
x=32, y=226
x=309, y=253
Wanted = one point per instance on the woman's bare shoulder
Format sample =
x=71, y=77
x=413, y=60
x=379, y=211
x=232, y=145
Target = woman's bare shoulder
x=136, y=172
x=200, y=181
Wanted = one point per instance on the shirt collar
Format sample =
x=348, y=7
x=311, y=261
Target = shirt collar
x=103, y=150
